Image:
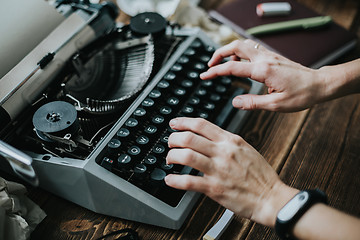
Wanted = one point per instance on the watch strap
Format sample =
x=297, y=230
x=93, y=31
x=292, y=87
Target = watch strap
x=283, y=227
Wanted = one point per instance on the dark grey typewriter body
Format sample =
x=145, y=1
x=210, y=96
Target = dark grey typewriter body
x=97, y=133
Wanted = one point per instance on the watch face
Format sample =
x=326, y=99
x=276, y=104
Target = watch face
x=293, y=206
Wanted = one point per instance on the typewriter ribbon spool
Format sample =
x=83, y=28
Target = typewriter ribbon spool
x=56, y=118
x=148, y=23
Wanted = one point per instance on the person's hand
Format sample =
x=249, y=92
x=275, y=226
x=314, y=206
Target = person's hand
x=234, y=174
x=291, y=86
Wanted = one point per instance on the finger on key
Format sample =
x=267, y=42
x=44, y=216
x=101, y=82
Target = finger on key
x=188, y=157
x=187, y=182
x=192, y=141
x=199, y=126
x=235, y=68
x=242, y=49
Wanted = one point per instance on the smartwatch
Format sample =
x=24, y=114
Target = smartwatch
x=294, y=209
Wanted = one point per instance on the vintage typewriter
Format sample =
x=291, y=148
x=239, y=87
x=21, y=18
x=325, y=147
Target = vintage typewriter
x=88, y=118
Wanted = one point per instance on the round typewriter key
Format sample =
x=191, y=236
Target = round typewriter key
x=170, y=76
x=188, y=110
x=158, y=175
x=165, y=138
x=199, y=66
x=140, y=168
x=207, y=83
x=134, y=150
x=220, y=89
x=142, y=140
x=114, y=143
x=226, y=80
x=201, y=92
x=165, y=110
x=166, y=166
x=155, y=93
x=124, y=160
x=187, y=83
x=189, y=52
x=139, y=112
x=158, y=149
x=158, y=119
x=196, y=44
x=150, y=159
x=204, y=115
x=176, y=67
x=179, y=91
x=170, y=130
x=209, y=106
x=205, y=58
x=210, y=49
x=193, y=75
x=151, y=129
x=194, y=100
x=163, y=84
x=173, y=101
x=215, y=97
x=123, y=132
x=183, y=60
x=148, y=102
x=131, y=122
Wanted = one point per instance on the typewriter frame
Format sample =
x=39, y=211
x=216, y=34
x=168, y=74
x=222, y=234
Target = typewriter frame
x=88, y=184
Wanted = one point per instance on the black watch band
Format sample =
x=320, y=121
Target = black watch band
x=294, y=209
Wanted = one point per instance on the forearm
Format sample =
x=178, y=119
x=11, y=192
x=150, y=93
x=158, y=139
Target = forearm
x=324, y=222
x=340, y=80
x=319, y=222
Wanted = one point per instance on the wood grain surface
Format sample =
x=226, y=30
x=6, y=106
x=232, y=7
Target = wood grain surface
x=318, y=147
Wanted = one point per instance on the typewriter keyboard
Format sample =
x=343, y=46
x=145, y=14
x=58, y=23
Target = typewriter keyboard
x=137, y=151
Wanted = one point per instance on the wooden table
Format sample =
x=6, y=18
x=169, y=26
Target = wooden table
x=319, y=147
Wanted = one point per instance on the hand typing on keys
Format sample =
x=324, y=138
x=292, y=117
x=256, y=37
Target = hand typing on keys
x=234, y=173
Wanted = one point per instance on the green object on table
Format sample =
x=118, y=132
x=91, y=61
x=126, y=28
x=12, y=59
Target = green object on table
x=304, y=23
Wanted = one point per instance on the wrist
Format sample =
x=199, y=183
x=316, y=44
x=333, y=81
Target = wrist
x=339, y=80
x=331, y=80
x=271, y=203
x=294, y=210
x=327, y=84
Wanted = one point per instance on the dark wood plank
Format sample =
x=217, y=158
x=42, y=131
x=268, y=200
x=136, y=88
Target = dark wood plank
x=326, y=155
x=342, y=12
x=69, y=220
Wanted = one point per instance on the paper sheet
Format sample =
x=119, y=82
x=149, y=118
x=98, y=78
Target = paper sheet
x=23, y=25
x=18, y=214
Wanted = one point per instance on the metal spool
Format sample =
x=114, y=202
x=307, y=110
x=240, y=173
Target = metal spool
x=56, y=118
x=148, y=23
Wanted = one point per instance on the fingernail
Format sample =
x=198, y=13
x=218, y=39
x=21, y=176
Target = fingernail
x=237, y=102
x=204, y=75
x=173, y=122
x=166, y=179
